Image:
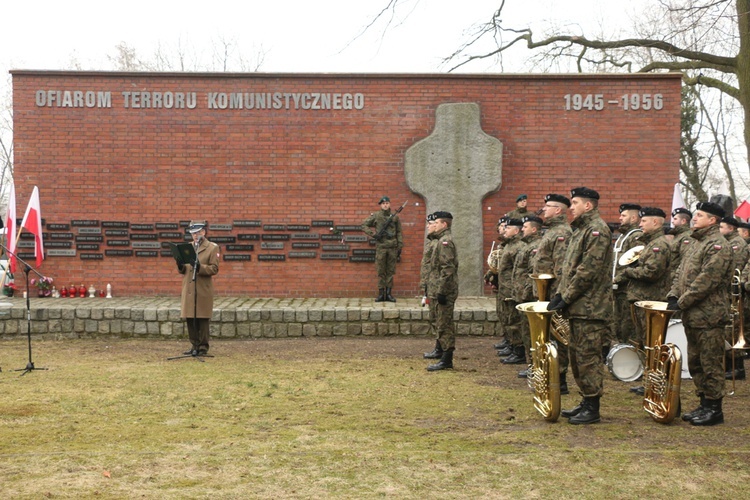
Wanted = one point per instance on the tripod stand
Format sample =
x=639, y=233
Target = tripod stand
x=26, y=269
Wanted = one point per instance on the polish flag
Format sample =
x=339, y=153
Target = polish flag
x=32, y=222
x=743, y=211
x=10, y=225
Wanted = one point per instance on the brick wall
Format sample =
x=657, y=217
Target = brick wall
x=292, y=166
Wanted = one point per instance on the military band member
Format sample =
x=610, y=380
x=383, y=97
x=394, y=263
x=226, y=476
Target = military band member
x=442, y=286
x=740, y=254
x=387, y=248
x=549, y=259
x=744, y=230
x=583, y=296
x=680, y=233
x=523, y=286
x=197, y=303
x=623, y=328
x=700, y=291
x=507, y=313
x=490, y=278
x=520, y=211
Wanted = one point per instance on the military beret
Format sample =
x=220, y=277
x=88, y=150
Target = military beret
x=745, y=225
x=532, y=218
x=431, y=217
x=521, y=197
x=651, y=212
x=443, y=215
x=584, y=192
x=682, y=210
x=629, y=206
x=558, y=198
x=710, y=208
x=731, y=221
x=196, y=225
x=502, y=220
x=384, y=199
x=515, y=222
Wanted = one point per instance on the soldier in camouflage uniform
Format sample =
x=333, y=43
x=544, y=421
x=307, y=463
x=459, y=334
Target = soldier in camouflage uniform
x=424, y=274
x=740, y=253
x=506, y=310
x=681, y=241
x=523, y=285
x=490, y=278
x=442, y=286
x=623, y=329
x=649, y=277
x=549, y=260
x=387, y=248
x=583, y=296
x=520, y=211
x=700, y=291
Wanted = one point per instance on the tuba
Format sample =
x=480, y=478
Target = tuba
x=560, y=326
x=663, y=367
x=544, y=374
x=738, y=323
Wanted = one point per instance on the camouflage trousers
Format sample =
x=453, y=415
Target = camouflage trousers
x=563, y=354
x=512, y=323
x=443, y=325
x=501, y=307
x=639, y=316
x=586, y=355
x=706, y=360
x=385, y=265
x=623, y=328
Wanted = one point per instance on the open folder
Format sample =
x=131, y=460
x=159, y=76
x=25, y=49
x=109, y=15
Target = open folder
x=183, y=253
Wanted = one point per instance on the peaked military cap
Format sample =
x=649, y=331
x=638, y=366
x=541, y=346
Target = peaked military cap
x=443, y=215
x=558, y=198
x=651, y=212
x=383, y=199
x=584, y=192
x=731, y=221
x=629, y=206
x=682, y=210
x=532, y=218
x=710, y=208
x=521, y=197
x=196, y=225
x=515, y=222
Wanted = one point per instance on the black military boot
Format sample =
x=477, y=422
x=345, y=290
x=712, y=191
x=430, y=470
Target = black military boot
x=605, y=353
x=640, y=390
x=524, y=373
x=573, y=411
x=502, y=345
x=739, y=369
x=505, y=351
x=388, y=295
x=437, y=353
x=589, y=413
x=381, y=295
x=711, y=414
x=446, y=361
x=517, y=358
x=563, y=384
x=687, y=417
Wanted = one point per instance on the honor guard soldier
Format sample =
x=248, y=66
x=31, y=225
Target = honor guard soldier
x=622, y=325
x=442, y=287
x=740, y=254
x=491, y=279
x=520, y=211
x=197, y=303
x=681, y=241
x=583, y=297
x=700, y=291
x=424, y=276
x=507, y=313
x=386, y=228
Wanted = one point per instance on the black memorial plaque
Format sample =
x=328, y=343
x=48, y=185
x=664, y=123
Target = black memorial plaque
x=330, y=237
x=169, y=235
x=363, y=251
x=166, y=226
x=248, y=237
x=274, y=227
x=302, y=255
x=84, y=223
x=113, y=223
x=238, y=256
x=146, y=253
x=335, y=248
x=54, y=252
x=240, y=248
x=223, y=239
x=247, y=223
x=166, y=253
x=90, y=230
x=58, y=236
x=322, y=223
x=118, y=243
x=116, y=232
x=141, y=227
x=282, y=237
x=91, y=256
x=87, y=246
x=271, y=246
x=58, y=227
x=220, y=227
x=89, y=239
x=298, y=227
x=146, y=244
x=362, y=258
x=348, y=228
x=356, y=238
x=144, y=236
x=334, y=256
x=26, y=236
x=271, y=257
x=58, y=244
x=118, y=253
x=305, y=236
x=306, y=244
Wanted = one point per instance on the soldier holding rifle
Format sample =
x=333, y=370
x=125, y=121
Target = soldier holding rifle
x=385, y=228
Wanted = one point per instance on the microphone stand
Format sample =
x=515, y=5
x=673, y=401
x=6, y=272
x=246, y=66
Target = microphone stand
x=26, y=269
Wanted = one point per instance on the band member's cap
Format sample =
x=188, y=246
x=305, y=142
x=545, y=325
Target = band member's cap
x=502, y=220
x=515, y=222
x=629, y=206
x=443, y=215
x=521, y=197
x=584, y=192
x=710, y=208
x=431, y=217
x=558, y=198
x=744, y=225
x=651, y=212
x=532, y=218
x=731, y=221
x=682, y=210
x=384, y=199
x=196, y=225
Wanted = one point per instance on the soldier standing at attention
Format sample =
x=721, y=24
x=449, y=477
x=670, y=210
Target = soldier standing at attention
x=700, y=291
x=520, y=211
x=424, y=274
x=740, y=253
x=387, y=247
x=623, y=328
x=681, y=233
x=583, y=296
x=507, y=313
x=442, y=286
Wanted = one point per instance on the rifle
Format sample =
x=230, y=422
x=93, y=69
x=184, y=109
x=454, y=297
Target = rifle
x=379, y=235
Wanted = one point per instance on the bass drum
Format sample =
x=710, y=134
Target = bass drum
x=676, y=335
x=624, y=363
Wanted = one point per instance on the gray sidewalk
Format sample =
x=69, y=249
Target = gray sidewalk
x=237, y=317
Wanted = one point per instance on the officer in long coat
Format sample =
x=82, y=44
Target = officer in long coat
x=198, y=296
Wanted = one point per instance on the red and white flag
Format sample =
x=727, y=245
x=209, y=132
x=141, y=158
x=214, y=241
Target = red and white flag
x=32, y=221
x=10, y=229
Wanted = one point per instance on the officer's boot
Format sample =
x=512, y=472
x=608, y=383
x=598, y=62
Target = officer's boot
x=518, y=357
x=711, y=415
x=573, y=411
x=446, y=361
x=437, y=353
x=687, y=417
x=563, y=384
x=381, y=295
x=388, y=295
x=589, y=413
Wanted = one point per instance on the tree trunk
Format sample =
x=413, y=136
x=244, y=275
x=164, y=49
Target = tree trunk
x=743, y=66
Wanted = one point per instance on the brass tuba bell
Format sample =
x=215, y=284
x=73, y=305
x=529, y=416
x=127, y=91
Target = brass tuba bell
x=560, y=326
x=663, y=367
x=544, y=374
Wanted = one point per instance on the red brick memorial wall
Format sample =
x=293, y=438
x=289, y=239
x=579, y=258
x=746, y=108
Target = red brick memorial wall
x=274, y=161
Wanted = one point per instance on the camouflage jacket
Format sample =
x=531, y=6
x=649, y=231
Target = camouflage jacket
x=424, y=270
x=649, y=276
x=392, y=237
x=523, y=267
x=551, y=250
x=442, y=273
x=680, y=246
x=518, y=213
x=628, y=239
x=701, y=281
x=740, y=251
x=585, y=284
x=505, y=266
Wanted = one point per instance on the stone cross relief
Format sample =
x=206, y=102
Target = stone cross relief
x=454, y=169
